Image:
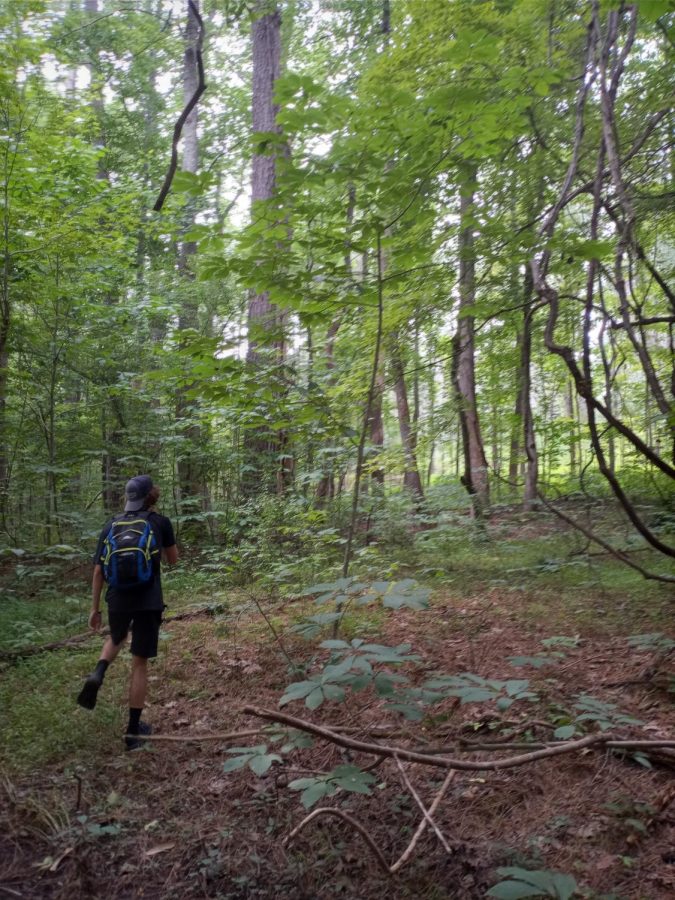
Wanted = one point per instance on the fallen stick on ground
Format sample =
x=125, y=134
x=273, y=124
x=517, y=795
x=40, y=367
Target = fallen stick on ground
x=339, y=814
x=230, y=735
x=444, y=762
x=75, y=639
x=72, y=641
x=426, y=815
x=185, y=738
x=407, y=853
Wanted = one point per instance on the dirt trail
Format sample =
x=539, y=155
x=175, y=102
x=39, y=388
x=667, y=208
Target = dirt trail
x=168, y=822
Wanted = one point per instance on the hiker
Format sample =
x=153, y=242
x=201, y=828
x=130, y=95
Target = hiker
x=127, y=557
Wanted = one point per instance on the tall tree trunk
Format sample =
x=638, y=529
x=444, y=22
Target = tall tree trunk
x=517, y=428
x=576, y=455
x=411, y=476
x=475, y=476
x=111, y=468
x=326, y=486
x=377, y=435
x=265, y=452
x=5, y=320
x=532, y=466
x=191, y=492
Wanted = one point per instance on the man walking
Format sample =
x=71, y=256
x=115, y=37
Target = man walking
x=128, y=556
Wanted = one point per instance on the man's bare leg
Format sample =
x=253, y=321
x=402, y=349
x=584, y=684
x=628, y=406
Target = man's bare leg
x=110, y=650
x=138, y=688
x=88, y=694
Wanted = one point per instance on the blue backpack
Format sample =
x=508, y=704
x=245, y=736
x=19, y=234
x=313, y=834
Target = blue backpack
x=128, y=551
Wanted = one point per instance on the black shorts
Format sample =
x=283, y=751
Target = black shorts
x=144, y=630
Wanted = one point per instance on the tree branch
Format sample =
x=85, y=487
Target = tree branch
x=618, y=554
x=339, y=814
x=440, y=762
x=189, y=106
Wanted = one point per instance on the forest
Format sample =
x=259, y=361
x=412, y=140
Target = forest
x=380, y=295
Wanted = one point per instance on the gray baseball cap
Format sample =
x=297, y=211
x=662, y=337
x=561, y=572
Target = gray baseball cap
x=136, y=491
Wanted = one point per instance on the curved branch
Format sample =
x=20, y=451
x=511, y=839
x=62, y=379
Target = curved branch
x=189, y=106
x=439, y=762
x=339, y=814
x=618, y=554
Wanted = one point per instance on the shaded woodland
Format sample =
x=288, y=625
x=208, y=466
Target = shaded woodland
x=380, y=293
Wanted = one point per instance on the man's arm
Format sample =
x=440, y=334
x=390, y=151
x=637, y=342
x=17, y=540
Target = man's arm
x=96, y=588
x=170, y=554
x=168, y=538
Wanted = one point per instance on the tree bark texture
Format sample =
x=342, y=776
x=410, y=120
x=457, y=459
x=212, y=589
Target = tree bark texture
x=530, y=497
x=266, y=37
x=475, y=476
x=191, y=489
x=266, y=451
x=411, y=476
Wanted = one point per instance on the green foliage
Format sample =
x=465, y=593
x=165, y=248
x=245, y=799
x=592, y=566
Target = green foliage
x=520, y=883
x=351, y=666
x=606, y=715
x=394, y=595
x=538, y=661
x=347, y=778
x=633, y=815
x=257, y=758
x=656, y=642
x=470, y=688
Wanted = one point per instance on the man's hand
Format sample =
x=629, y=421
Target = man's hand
x=95, y=619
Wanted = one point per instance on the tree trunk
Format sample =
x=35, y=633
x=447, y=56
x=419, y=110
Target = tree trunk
x=529, y=442
x=191, y=491
x=571, y=415
x=5, y=320
x=326, y=487
x=377, y=435
x=475, y=477
x=516, y=430
x=411, y=477
x=265, y=452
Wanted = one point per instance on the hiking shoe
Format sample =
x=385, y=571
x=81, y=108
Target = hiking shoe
x=88, y=694
x=133, y=742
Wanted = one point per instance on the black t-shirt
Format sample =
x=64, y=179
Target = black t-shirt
x=149, y=596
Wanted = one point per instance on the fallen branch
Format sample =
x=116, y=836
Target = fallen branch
x=407, y=853
x=235, y=735
x=76, y=639
x=441, y=762
x=339, y=814
x=185, y=738
x=426, y=815
x=192, y=614
x=189, y=106
x=34, y=650
x=618, y=554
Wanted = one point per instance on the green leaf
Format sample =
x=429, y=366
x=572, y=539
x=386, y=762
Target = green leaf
x=315, y=699
x=297, y=691
x=260, y=764
x=537, y=883
x=351, y=778
x=313, y=789
x=536, y=661
x=651, y=10
x=564, y=733
x=237, y=762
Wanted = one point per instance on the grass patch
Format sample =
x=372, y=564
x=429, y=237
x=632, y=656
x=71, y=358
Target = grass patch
x=41, y=721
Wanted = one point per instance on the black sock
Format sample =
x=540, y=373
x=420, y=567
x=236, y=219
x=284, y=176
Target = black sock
x=101, y=666
x=134, y=720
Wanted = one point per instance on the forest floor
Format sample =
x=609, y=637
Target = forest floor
x=83, y=818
